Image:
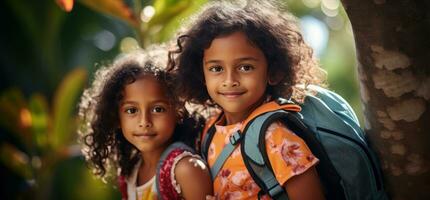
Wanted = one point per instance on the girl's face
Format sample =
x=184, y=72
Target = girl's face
x=146, y=115
x=235, y=74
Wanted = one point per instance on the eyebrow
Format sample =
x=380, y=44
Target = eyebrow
x=162, y=101
x=127, y=102
x=154, y=102
x=238, y=59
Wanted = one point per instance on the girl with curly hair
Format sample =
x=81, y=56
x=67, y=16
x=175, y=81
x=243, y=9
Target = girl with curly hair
x=135, y=129
x=239, y=59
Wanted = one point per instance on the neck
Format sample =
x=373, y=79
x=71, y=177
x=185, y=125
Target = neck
x=148, y=167
x=233, y=118
x=151, y=158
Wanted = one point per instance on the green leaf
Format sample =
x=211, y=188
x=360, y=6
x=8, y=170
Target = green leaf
x=167, y=18
x=64, y=106
x=165, y=13
x=159, y=5
x=40, y=118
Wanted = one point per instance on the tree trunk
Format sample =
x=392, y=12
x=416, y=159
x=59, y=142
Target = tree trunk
x=393, y=47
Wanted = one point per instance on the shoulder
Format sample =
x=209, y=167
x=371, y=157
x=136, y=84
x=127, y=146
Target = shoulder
x=282, y=142
x=193, y=177
x=289, y=155
x=190, y=166
x=279, y=129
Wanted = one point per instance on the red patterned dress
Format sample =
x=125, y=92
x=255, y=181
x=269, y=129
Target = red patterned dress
x=163, y=185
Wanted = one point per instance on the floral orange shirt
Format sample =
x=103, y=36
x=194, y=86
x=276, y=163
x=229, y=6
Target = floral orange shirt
x=288, y=155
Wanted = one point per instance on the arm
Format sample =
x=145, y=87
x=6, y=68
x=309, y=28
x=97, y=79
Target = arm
x=293, y=163
x=193, y=176
x=305, y=186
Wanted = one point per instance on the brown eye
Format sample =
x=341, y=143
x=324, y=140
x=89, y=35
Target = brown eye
x=158, y=109
x=246, y=68
x=215, y=68
x=131, y=110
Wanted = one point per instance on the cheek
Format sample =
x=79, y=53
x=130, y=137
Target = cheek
x=210, y=85
x=122, y=122
x=169, y=124
x=208, y=76
x=211, y=82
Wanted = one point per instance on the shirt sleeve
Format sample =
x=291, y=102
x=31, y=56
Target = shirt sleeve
x=288, y=153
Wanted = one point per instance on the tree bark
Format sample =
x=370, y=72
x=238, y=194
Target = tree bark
x=393, y=46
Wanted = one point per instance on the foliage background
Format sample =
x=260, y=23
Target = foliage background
x=47, y=56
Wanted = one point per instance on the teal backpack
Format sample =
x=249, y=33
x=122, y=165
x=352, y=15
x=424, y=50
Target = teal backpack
x=348, y=168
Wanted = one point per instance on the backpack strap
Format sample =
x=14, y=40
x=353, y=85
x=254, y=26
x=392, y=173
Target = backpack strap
x=275, y=105
x=258, y=164
x=207, y=138
x=225, y=153
x=237, y=136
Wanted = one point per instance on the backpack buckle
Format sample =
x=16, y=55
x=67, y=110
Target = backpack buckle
x=235, y=137
x=282, y=101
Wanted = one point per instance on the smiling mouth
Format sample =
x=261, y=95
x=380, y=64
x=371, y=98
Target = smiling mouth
x=145, y=135
x=231, y=95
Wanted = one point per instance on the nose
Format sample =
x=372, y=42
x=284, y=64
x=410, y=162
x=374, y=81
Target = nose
x=145, y=120
x=230, y=80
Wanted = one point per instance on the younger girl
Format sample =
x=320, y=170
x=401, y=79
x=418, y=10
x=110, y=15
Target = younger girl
x=240, y=59
x=131, y=116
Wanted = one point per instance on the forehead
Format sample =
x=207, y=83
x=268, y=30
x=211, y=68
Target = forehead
x=145, y=87
x=234, y=44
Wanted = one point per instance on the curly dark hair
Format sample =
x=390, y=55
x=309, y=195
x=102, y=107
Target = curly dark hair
x=274, y=32
x=104, y=146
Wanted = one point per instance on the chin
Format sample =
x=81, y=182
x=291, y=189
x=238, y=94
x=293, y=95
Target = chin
x=145, y=148
x=234, y=110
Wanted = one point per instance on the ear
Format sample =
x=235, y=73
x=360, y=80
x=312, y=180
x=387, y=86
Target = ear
x=275, y=77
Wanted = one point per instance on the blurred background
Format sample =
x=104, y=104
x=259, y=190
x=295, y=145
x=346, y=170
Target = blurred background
x=50, y=49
